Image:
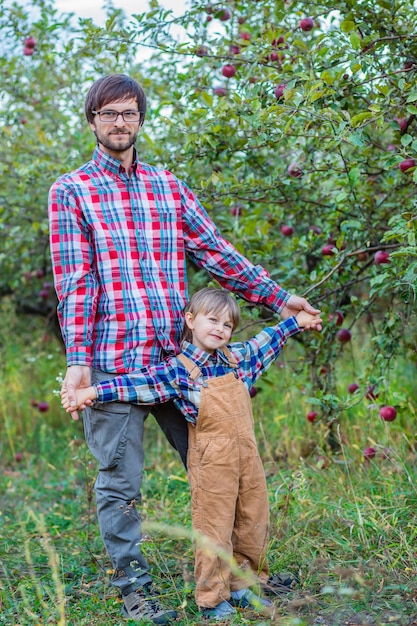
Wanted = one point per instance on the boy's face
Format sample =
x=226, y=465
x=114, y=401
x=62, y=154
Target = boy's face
x=210, y=331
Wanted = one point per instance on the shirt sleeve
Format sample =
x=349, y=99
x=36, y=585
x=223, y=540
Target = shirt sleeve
x=256, y=355
x=150, y=385
x=228, y=266
x=75, y=282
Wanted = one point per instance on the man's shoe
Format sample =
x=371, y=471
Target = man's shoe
x=222, y=611
x=143, y=605
x=246, y=599
x=279, y=584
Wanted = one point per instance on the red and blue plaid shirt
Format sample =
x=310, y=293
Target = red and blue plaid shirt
x=170, y=379
x=118, y=245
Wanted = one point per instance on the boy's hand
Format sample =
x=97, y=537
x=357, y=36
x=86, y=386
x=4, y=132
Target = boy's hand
x=309, y=322
x=297, y=304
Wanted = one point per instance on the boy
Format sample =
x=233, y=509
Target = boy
x=210, y=382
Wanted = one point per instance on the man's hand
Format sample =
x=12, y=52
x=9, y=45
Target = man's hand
x=295, y=304
x=76, y=377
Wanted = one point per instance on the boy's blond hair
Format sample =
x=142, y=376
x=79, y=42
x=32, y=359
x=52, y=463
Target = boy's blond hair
x=211, y=300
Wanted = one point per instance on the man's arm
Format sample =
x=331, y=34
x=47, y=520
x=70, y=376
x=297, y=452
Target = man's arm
x=75, y=282
x=229, y=267
x=75, y=286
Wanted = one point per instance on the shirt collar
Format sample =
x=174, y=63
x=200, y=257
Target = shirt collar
x=200, y=356
x=109, y=164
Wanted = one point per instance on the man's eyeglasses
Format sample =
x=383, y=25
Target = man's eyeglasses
x=112, y=116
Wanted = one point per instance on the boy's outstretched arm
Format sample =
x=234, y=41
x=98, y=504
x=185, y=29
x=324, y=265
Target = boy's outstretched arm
x=308, y=321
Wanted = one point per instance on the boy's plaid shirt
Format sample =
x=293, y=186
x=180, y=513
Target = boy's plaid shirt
x=118, y=246
x=170, y=379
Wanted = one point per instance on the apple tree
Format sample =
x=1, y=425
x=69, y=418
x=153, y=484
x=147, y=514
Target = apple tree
x=294, y=122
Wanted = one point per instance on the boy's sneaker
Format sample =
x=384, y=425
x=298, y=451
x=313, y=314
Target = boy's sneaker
x=246, y=599
x=222, y=611
x=143, y=605
x=279, y=584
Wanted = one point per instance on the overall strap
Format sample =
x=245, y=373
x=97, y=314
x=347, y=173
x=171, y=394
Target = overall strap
x=232, y=361
x=192, y=368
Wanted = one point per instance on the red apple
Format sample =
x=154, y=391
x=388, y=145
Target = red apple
x=236, y=210
x=306, y=24
x=371, y=393
x=328, y=250
x=220, y=91
x=322, y=462
x=19, y=456
x=279, y=90
x=241, y=19
x=209, y=18
x=43, y=407
x=274, y=56
x=30, y=42
x=369, y=453
x=338, y=317
x=253, y=391
x=353, y=387
x=228, y=71
x=245, y=36
x=388, y=413
x=311, y=416
x=381, y=257
x=362, y=256
x=202, y=51
x=234, y=49
x=344, y=335
x=406, y=165
x=287, y=230
x=28, y=51
x=294, y=170
x=402, y=123
x=225, y=15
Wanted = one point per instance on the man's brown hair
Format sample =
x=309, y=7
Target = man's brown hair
x=114, y=88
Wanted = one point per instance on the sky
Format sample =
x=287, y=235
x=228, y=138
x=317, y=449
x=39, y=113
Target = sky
x=94, y=8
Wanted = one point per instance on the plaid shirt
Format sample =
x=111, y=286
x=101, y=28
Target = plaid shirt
x=118, y=246
x=170, y=379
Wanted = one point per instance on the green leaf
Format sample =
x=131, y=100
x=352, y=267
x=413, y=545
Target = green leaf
x=361, y=117
x=406, y=139
x=355, y=40
x=412, y=97
x=346, y=26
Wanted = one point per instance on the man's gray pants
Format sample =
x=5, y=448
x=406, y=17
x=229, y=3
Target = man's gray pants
x=114, y=434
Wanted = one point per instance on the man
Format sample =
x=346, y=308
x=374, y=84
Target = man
x=119, y=232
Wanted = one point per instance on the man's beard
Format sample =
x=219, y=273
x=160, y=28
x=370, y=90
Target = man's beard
x=116, y=145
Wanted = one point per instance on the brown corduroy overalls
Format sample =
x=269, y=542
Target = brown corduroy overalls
x=228, y=487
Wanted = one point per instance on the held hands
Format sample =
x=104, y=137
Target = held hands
x=296, y=305
x=76, y=378
x=83, y=398
x=306, y=321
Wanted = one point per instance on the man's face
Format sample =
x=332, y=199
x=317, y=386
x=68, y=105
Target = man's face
x=116, y=137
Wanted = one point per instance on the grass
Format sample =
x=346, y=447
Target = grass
x=345, y=526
